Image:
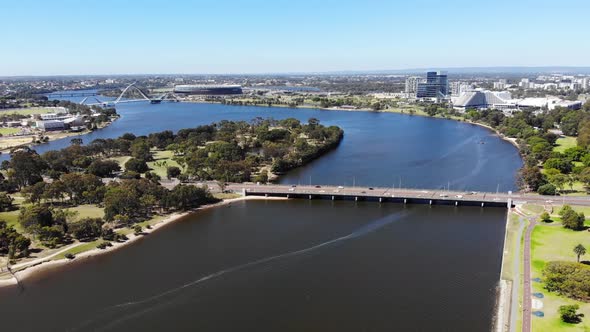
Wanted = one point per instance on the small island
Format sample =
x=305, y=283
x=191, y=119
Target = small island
x=84, y=199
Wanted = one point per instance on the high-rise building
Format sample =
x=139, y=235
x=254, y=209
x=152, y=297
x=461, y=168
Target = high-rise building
x=412, y=84
x=435, y=87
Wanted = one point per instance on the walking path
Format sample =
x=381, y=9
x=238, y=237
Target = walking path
x=527, y=296
x=514, y=306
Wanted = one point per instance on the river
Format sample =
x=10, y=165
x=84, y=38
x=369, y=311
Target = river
x=300, y=265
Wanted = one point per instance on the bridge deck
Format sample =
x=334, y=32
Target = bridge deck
x=376, y=194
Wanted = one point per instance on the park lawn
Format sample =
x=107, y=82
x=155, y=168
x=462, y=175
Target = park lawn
x=8, y=131
x=162, y=160
x=565, y=143
x=29, y=110
x=11, y=218
x=121, y=160
x=88, y=211
x=551, y=242
x=85, y=246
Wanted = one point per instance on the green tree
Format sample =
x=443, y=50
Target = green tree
x=545, y=217
x=579, y=250
x=87, y=229
x=569, y=314
x=172, y=172
x=26, y=167
x=547, y=189
x=6, y=202
x=140, y=149
x=136, y=165
x=103, y=168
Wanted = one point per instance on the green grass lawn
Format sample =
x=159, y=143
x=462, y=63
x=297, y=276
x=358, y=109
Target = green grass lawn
x=78, y=249
x=565, y=143
x=121, y=160
x=29, y=110
x=552, y=242
x=9, y=131
x=88, y=211
x=512, y=240
x=162, y=160
x=11, y=219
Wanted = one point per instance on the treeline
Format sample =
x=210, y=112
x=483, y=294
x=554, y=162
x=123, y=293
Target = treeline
x=226, y=151
x=532, y=131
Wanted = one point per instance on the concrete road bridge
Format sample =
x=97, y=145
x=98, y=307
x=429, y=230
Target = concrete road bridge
x=402, y=195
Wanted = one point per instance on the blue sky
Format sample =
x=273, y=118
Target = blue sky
x=47, y=37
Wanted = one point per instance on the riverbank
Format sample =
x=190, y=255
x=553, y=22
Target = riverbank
x=25, y=270
x=389, y=110
x=7, y=143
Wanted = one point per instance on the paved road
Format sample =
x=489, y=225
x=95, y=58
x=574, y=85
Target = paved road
x=518, y=198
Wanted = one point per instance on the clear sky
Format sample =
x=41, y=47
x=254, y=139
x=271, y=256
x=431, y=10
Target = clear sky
x=47, y=37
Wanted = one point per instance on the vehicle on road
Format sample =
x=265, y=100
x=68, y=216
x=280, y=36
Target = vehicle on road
x=370, y=188
x=444, y=195
x=291, y=189
x=318, y=186
x=340, y=187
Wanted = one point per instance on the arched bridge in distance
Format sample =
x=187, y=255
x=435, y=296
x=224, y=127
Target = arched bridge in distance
x=121, y=98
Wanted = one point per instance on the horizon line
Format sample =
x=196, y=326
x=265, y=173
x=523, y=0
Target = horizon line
x=472, y=69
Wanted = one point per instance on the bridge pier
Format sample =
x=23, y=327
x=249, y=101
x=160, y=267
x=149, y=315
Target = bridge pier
x=356, y=198
x=456, y=203
x=380, y=199
x=265, y=195
x=287, y=195
x=332, y=197
x=482, y=204
x=244, y=192
x=310, y=196
x=430, y=202
x=405, y=201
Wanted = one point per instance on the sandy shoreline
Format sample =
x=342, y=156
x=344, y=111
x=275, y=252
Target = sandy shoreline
x=48, y=262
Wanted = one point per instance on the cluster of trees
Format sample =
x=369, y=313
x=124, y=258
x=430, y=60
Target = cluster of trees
x=12, y=243
x=536, y=142
x=233, y=151
x=125, y=203
x=224, y=151
x=570, y=279
x=571, y=219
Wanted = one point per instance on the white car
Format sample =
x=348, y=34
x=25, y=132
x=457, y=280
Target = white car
x=291, y=189
x=444, y=195
x=459, y=196
x=340, y=187
x=322, y=191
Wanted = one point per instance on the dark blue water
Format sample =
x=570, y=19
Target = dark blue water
x=299, y=265
x=379, y=149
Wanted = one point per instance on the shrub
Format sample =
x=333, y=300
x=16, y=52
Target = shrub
x=545, y=217
x=569, y=313
x=69, y=256
x=137, y=229
x=547, y=189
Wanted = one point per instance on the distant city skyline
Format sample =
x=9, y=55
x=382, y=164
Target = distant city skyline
x=249, y=37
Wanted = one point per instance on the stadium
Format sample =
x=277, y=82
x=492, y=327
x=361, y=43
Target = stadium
x=208, y=89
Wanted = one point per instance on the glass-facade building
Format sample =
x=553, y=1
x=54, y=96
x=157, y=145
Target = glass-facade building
x=436, y=86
